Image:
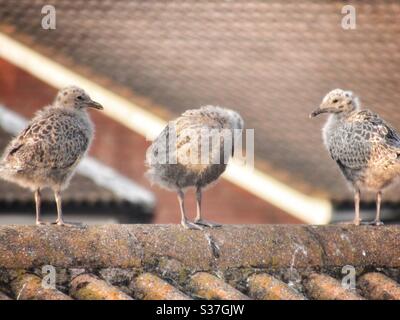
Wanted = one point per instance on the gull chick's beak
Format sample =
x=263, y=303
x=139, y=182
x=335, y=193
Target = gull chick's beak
x=95, y=105
x=316, y=112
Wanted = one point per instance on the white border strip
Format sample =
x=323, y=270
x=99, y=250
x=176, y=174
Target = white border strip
x=89, y=167
x=305, y=208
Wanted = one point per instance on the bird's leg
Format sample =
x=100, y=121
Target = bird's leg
x=38, y=202
x=60, y=221
x=198, y=219
x=357, y=197
x=377, y=220
x=184, y=220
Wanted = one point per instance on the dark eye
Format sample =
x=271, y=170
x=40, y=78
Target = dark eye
x=335, y=101
x=80, y=98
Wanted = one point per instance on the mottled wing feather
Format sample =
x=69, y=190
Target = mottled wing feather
x=17, y=142
x=363, y=139
x=47, y=143
x=385, y=130
x=392, y=137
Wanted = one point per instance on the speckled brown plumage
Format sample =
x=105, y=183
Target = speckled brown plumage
x=187, y=166
x=365, y=147
x=48, y=151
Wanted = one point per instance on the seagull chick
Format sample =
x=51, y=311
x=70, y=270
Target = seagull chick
x=48, y=151
x=365, y=147
x=193, y=151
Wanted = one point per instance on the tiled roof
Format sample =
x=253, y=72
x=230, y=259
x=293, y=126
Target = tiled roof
x=271, y=60
x=157, y=262
x=147, y=286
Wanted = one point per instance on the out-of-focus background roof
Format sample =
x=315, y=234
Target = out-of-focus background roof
x=273, y=61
